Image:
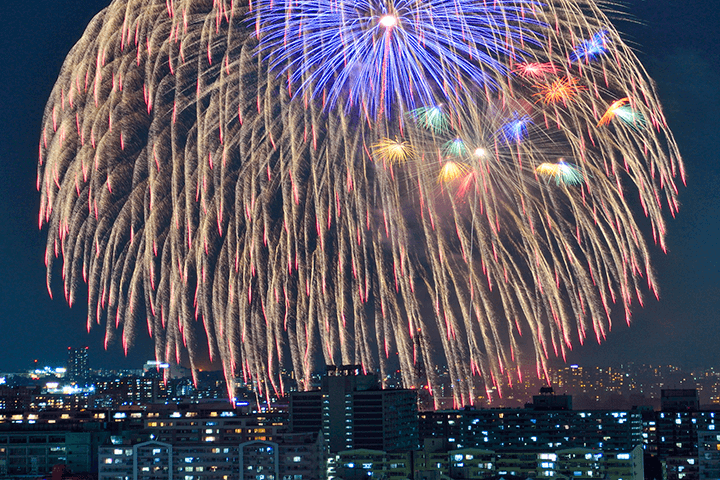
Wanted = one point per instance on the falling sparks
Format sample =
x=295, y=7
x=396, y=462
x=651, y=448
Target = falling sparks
x=315, y=182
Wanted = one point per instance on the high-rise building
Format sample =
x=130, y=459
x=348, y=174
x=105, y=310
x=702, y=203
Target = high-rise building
x=708, y=455
x=130, y=391
x=29, y=452
x=506, y=429
x=78, y=370
x=475, y=463
x=294, y=457
x=353, y=412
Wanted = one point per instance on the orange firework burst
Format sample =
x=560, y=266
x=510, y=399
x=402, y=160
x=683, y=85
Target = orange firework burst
x=612, y=110
x=559, y=90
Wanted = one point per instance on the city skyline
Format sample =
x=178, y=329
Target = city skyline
x=607, y=387
x=134, y=425
x=681, y=327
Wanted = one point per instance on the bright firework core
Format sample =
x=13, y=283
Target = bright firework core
x=388, y=21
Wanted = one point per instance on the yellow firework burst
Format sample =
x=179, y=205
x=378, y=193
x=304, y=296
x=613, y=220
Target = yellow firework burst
x=393, y=151
x=452, y=171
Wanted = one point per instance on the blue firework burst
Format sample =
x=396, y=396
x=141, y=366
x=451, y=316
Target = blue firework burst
x=516, y=129
x=591, y=48
x=381, y=53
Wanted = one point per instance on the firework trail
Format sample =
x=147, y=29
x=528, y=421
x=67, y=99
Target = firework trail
x=340, y=182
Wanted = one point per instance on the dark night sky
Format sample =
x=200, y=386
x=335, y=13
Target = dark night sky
x=675, y=39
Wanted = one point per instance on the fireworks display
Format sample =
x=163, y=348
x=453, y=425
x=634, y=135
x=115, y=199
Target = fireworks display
x=389, y=183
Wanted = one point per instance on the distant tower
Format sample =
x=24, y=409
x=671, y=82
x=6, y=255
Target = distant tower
x=78, y=371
